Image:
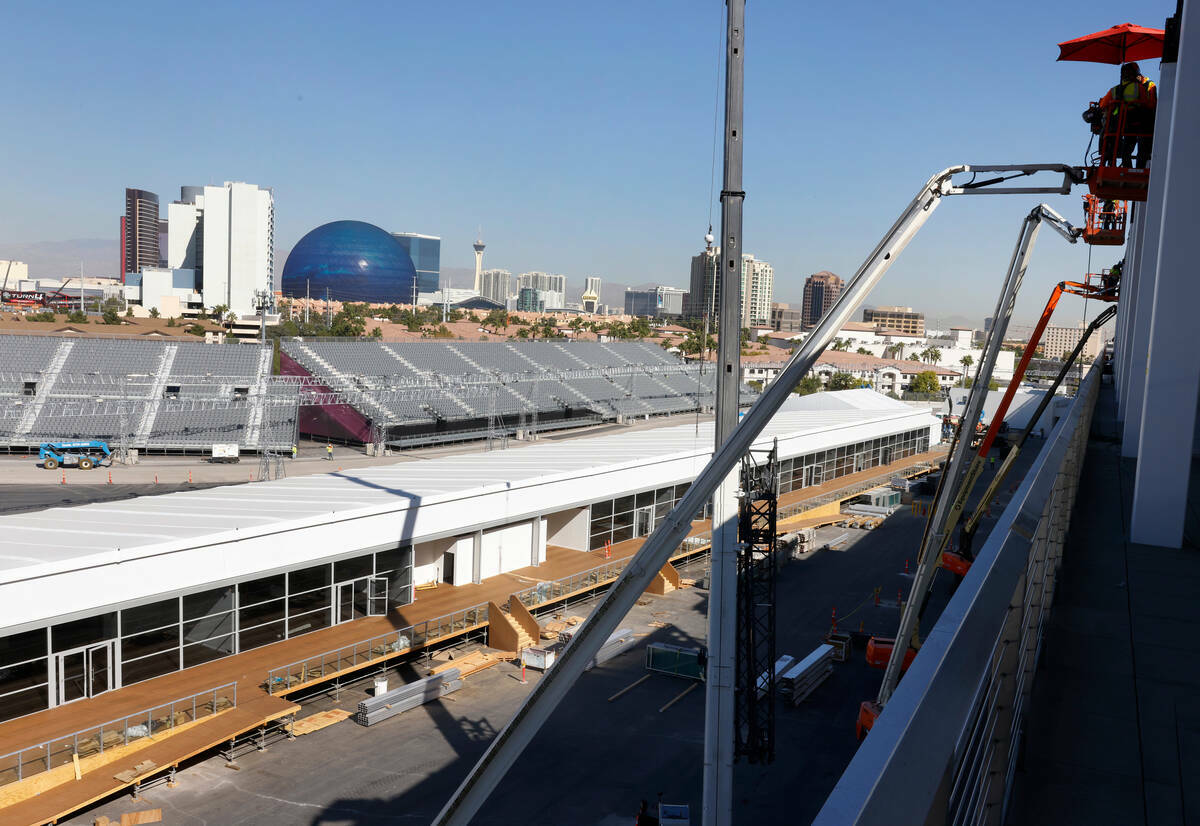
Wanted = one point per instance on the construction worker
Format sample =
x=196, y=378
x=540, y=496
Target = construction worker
x=329, y=451
x=293, y=451
x=1135, y=97
x=1112, y=278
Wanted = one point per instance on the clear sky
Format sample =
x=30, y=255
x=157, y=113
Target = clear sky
x=579, y=135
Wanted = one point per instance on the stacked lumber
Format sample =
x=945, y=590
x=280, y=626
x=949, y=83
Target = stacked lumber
x=471, y=663
x=553, y=628
x=781, y=665
x=802, y=678
x=408, y=696
x=617, y=644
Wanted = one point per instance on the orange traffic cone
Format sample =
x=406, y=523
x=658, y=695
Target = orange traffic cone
x=189, y=477
x=833, y=619
x=156, y=478
x=110, y=477
x=64, y=478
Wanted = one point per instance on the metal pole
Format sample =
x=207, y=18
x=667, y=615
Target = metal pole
x=717, y=807
x=307, y=298
x=645, y=565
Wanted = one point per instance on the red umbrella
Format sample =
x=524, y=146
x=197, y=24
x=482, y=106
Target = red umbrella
x=1120, y=44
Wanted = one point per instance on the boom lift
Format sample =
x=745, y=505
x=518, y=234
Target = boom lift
x=1104, y=224
x=961, y=470
x=669, y=531
x=959, y=563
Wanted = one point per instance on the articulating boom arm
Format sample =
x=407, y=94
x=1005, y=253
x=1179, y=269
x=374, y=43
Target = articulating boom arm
x=967, y=534
x=961, y=472
x=644, y=565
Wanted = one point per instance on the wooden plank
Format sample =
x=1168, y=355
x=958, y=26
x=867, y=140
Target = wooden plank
x=320, y=720
x=144, y=816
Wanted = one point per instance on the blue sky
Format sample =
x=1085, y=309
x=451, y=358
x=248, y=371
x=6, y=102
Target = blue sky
x=578, y=135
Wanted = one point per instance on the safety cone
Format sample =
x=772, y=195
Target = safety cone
x=156, y=478
x=877, y=590
x=189, y=477
x=899, y=598
x=608, y=550
x=906, y=566
x=110, y=477
x=64, y=478
x=833, y=619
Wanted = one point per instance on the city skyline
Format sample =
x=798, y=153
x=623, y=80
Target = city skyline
x=573, y=213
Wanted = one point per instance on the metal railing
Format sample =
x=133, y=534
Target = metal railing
x=335, y=661
x=59, y=751
x=554, y=590
x=945, y=749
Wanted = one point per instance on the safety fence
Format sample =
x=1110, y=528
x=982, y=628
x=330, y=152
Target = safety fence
x=556, y=590
x=946, y=747
x=94, y=740
x=348, y=657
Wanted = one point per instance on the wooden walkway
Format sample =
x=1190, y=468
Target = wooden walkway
x=250, y=669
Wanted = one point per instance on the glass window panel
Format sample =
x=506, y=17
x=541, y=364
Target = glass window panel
x=394, y=559
x=604, y=508
x=399, y=587
x=208, y=602
x=305, y=623
x=356, y=568
x=20, y=647
x=641, y=500
x=151, y=642
x=262, y=635
x=153, y=666
x=205, y=627
x=15, y=677
x=260, y=590
x=680, y=490
x=263, y=612
x=84, y=631
x=309, y=578
x=303, y=603
x=24, y=702
x=597, y=542
x=623, y=503
x=603, y=524
x=666, y=494
x=154, y=615
x=622, y=534
x=662, y=509
x=622, y=520
x=207, y=651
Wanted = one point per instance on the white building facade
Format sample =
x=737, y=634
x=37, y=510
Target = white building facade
x=758, y=286
x=496, y=285
x=213, y=573
x=227, y=234
x=551, y=288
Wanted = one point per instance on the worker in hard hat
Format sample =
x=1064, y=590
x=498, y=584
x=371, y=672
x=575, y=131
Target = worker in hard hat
x=1135, y=97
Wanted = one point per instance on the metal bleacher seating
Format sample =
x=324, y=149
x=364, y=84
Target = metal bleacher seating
x=464, y=385
x=149, y=394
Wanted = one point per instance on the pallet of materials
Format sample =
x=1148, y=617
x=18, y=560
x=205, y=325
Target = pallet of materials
x=802, y=678
x=781, y=665
x=408, y=696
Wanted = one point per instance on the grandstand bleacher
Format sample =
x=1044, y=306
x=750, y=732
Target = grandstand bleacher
x=423, y=391
x=152, y=395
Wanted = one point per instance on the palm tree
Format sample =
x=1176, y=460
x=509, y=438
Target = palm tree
x=966, y=361
x=934, y=354
x=841, y=344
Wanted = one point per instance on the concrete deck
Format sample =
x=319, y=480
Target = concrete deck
x=1113, y=733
